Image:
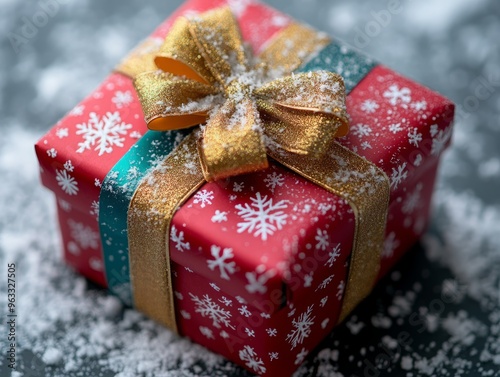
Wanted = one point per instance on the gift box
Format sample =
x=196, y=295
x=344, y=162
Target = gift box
x=259, y=256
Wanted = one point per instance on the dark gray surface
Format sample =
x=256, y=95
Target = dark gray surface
x=451, y=46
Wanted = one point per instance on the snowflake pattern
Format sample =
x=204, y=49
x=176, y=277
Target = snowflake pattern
x=398, y=175
x=397, y=95
x=333, y=255
x=262, y=217
x=272, y=332
x=250, y=333
x=207, y=332
x=273, y=356
x=340, y=290
x=203, y=197
x=414, y=137
x=301, y=356
x=122, y=99
x=61, y=133
x=178, y=239
x=207, y=308
x=390, y=245
x=102, y=133
x=369, y=106
x=325, y=283
x=52, y=152
x=274, y=180
x=412, y=201
x=94, y=209
x=77, y=111
x=238, y=187
x=252, y=361
x=301, y=327
x=256, y=283
x=68, y=165
x=244, y=311
x=221, y=261
x=85, y=237
x=419, y=105
x=322, y=239
x=66, y=182
x=361, y=130
x=395, y=128
x=439, y=141
x=219, y=216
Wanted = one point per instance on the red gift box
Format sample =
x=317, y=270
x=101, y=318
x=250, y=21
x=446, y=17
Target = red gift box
x=260, y=261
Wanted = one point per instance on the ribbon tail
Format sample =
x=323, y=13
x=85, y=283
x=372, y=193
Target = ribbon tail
x=366, y=188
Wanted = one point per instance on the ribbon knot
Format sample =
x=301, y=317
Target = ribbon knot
x=205, y=78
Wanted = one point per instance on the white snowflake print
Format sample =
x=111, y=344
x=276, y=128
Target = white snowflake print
x=219, y=216
x=52, y=153
x=340, y=290
x=207, y=332
x=274, y=180
x=325, y=283
x=221, y=261
x=323, y=301
x=308, y=279
x=188, y=270
x=223, y=334
x=122, y=99
x=185, y=314
x=272, y=332
x=207, y=308
x=103, y=133
x=244, y=311
x=84, y=235
x=94, y=209
x=256, y=283
x=439, y=141
x=418, y=160
x=265, y=315
x=262, y=217
x=238, y=187
x=301, y=356
x=325, y=323
x=215, y=287
x=390, y=245
x=361, y=130
x=97, y=182
x=398, y=175
x=179, y=295
x=61, y=133
x=397, y=95
x=414, y=137
x=434, y=130
x=419, y=105
x=248, y=355
x=226, y=301
x=395, y=128
x=369, y=106
x=333, y=255
x=250, y=333
x=324, y=208
x=69, y=166
x=66, y=207
x=95, y=264
x=366, y=145
x=135, y=135
x=412, y=201
x=178, y=238
x=66, y=182
x=273, y=356
x=292, y=312
x=322, y=239
x=77, y=111
x=203, y=197
x=301, y=328
x=240, y=299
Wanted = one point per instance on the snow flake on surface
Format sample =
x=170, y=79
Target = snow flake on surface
x=274, y=180
x=204, y=198
x=322, y=239
x=301, y=356
x=66, y=182
x=52, y=152
x=102, y=133
x=208, y=308
x=360, y=130
x=439, y=141
x=397, y=95
x=257, y=283
x=325, y=282
x=273, y=356
x=178, y=239
x=244, y=311
x=221, y=261
x=69, y=166
x=414, y=137
x=252, y=361
x=412, y=201
x=207, y=332
x=272, y=332
x=301, y=327
x=333, y=255
x=390, y=245
x=262, y=217
x=238, y=187
x=61, y=133
x=395, y=128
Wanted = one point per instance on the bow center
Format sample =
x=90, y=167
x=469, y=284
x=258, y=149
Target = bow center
x=239, y=89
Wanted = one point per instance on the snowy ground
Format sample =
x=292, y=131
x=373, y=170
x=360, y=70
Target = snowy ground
x=438, y=314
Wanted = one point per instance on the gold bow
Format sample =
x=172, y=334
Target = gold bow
x=204, y=73
x=205, y=77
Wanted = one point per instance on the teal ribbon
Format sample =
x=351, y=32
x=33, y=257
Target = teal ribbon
x=123, y=179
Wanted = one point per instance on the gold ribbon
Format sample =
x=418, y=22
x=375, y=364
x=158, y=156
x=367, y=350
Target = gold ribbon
x=249, y=111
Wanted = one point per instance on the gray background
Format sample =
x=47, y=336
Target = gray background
x=444, y=294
